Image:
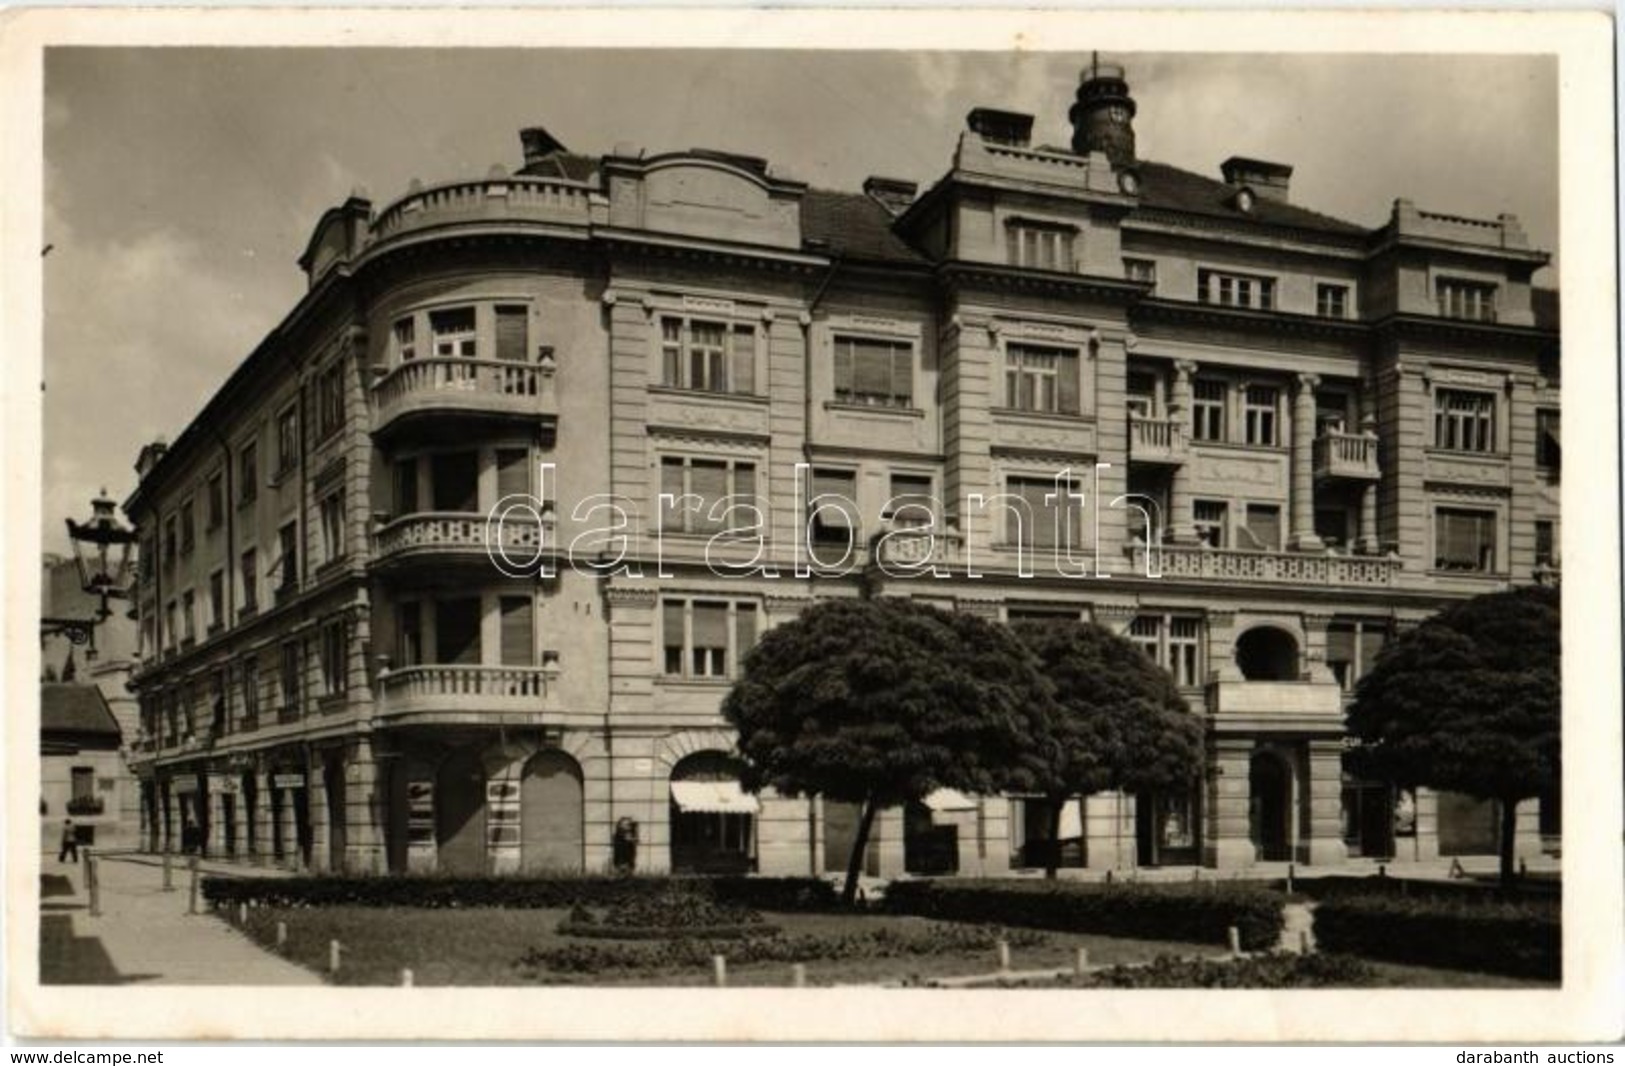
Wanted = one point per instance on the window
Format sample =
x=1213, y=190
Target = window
x=518, y=631
x=1039, y=378
x=1331, y=413
x=287, y=440
x=513, y=327
x=513, y=472
x=1173, y=642
x=1472, y=300
x=409, y=629
x=219, y=716
x=330, y=400
x=1033, y=521
x=171, y=625
x=1207, y=409
x=248, y=484
x=1039, y=246
x=1352, y=647
x=1548, y=439
x=188, y=617
x=1235, y=290
x=453, y=333
x=217, y=600
x=335, y=661
x=404, y=337
x=288, y=679
x=332, y=516
x=1332, y=526
x=171, y=541
x=251, y=687
x=454, y=481
x=1464, y=421
x=147, y=559
x=1464, y=540
x=1141, y=270
x=1258, y=409
x=712, y=481
x=215, y=497
x=406, y=486
x=872, y=371
x=457, y=625
x=706, y=639
x=83, y=784
x=1545, y=543
x=288, y=561
x=833, y=521
x=188, y=527
x=248, y=572
x=707, y=356
x=1211, y=517
x=1332, y=301
x=911, y=502
x=1263, y=529
x=1142, y=394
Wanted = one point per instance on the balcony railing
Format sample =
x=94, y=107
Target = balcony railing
x=494, y=199
x=1156, y=440
x=445, y=533
x=83, y=805
x=1346, y=455
x=453, y=688
x=488, y=386
x=1288, y=568
x=1278, y=703
x=910, y=548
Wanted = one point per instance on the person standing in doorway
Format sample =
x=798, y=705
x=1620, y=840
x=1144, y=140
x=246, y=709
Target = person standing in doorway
x=70, y=841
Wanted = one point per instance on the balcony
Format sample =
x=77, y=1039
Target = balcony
x=906, y=549
x=1156, y=440
x=450, y=693
x=504, y=199
x=1278, y=705
x=1179, y=562
x=448, y=393
x=86, y=805
x=452, y=536
x=1348, y=456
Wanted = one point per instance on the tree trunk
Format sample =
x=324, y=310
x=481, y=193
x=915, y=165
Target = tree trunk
x=1052, y=854
x=860, y=844
x=1509, y=828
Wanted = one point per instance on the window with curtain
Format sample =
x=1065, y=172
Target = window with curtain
x=1263, y=529
x=518, y=631
x=512, y=328
x=706, y=638
x=911, y=502
x=718, y=485
x=873, y=371
x=1033, y=521
x=1041, y=378
x=1464, y=540
x=834, y=521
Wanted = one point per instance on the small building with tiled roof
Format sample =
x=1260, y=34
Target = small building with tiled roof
x=83, y=771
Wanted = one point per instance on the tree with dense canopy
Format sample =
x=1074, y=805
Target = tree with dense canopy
x=1469, y=701
x=1117, y=721
x=880, y=702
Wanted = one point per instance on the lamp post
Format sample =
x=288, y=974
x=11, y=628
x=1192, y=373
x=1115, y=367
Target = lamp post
x=102, y=551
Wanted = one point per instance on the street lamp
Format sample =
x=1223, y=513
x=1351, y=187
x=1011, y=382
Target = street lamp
x=101, y=550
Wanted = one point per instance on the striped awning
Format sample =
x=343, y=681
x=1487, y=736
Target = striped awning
x=713, y=797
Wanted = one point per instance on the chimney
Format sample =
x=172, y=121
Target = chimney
x=538, y=144
x=1001, y=127
x=150, y=454
x=1269, y=181
x=894, y=194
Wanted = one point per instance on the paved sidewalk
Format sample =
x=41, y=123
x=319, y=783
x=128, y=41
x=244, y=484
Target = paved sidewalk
x=144, y=934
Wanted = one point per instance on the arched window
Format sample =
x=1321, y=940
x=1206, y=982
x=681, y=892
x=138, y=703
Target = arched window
x=713, y=819
x=1267, y=654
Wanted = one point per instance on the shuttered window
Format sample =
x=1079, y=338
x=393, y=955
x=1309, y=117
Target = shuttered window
x=706, y=639
x=518, y=631
x=672, y=626
x=872, y=371
x=513, y=472
x=512, y=325
x=1464, y=540
x=1036, y=522
x=1263, y=529
x=709, y=654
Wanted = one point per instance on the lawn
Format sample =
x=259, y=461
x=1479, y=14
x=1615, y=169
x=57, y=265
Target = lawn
x=483, y=946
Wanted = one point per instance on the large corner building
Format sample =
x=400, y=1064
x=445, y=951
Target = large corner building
x=1341, y=429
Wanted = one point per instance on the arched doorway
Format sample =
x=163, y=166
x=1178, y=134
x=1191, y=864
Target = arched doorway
x=1267, y=653
x=1269, y=781
x=713, y=820
x=460, y=814
x=550, y=813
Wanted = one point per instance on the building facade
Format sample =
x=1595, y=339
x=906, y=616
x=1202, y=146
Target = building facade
x=983, y=394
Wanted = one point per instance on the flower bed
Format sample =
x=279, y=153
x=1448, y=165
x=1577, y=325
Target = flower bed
x=1198, y=913
x=680, y=912
x=1523, y=939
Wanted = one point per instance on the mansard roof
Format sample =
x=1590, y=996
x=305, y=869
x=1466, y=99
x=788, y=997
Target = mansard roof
x=853, y=226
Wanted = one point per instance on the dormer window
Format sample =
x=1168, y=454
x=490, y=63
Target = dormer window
x=1040, y=245
x=1235, y=290
x=1472, y=300
x=1244, y=201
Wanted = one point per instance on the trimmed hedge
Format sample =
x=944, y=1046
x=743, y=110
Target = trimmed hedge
x=1339, y=886
x=1257, y=971
x=1198, y=913
x=763, y=893
x=1518, y=939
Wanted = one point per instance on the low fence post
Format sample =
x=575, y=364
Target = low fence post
x=93, y=882
x=191, y=866
x=169, y=871
x=1004, y=955
x=798, y=975
x=334, y=953
x=1080, y=961
x=281, y=935
x=719, y=971
x=242, y=915
x=1235, y=941
x=406, y=978
x=1291, y=871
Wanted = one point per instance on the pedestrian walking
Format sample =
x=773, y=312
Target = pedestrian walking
x=70, y=842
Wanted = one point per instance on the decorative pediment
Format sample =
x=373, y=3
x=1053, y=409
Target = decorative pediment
x=708, y=195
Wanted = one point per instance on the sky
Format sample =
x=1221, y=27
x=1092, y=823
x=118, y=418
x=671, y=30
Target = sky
x=181, y=184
